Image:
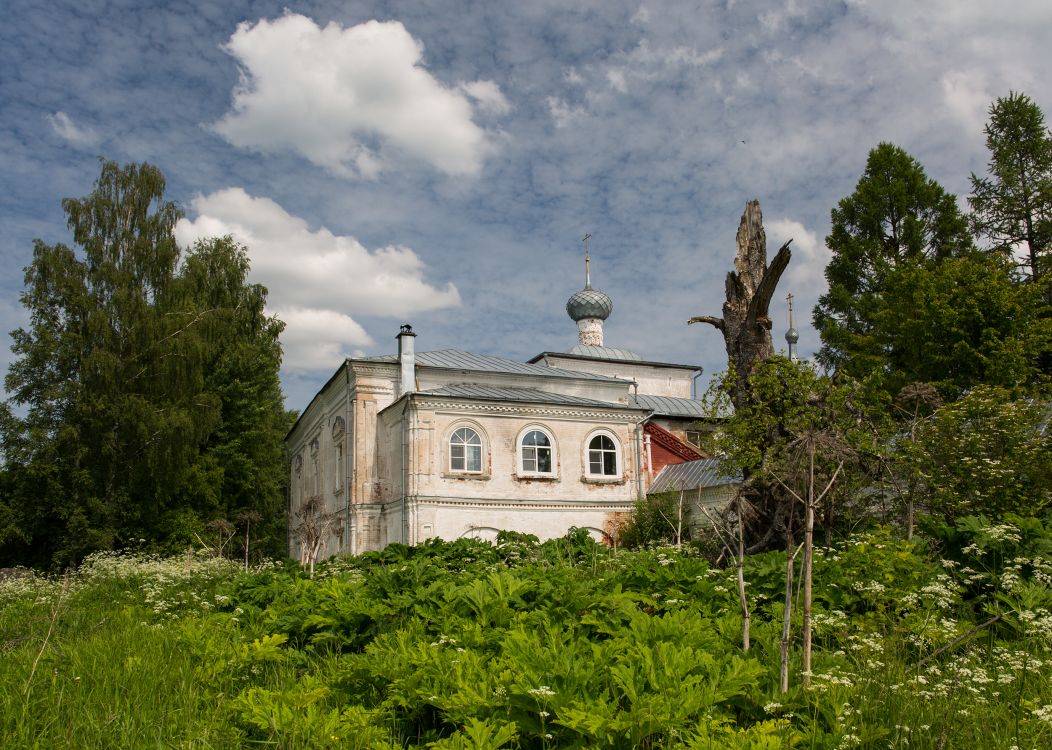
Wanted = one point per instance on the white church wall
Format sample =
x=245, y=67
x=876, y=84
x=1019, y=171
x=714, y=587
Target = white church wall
x=652, y=379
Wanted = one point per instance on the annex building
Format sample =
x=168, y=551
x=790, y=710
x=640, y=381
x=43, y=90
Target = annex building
x=450, y=443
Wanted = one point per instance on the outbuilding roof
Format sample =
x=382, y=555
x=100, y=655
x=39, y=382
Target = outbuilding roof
x=667, y=406
x=692, y=475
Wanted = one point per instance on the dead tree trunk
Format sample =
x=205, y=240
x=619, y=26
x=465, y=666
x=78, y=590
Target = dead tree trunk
x=746, y=323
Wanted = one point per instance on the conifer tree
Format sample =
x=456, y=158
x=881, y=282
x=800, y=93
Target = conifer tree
x=896, y=218
x=1013, y=206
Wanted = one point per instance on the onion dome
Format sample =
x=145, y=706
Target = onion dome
x=792, y=336
x=589, y=303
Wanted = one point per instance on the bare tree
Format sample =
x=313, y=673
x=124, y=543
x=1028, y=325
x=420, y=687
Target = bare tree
x=313, y=530
x=247, y=518
x=224, y=531
x=802, y=464
x=746, y=323
x=677, y=525
x=727, y=525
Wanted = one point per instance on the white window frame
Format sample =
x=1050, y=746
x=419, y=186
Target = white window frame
x=619, y=465
x=520, y=449
x=481, y=449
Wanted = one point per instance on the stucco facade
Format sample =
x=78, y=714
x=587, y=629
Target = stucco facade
x=372, y=452
x=414, y=445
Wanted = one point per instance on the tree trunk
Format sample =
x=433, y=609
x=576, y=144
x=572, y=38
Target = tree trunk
x=809, y=536
x=790, y=563
x=739, y=563
x=679, y=522
x=746, y=324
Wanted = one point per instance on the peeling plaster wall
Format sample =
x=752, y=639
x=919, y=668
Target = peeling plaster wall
x=381, y=429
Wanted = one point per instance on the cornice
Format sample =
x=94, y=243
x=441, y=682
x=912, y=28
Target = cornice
x=481, y=503
x=497, y=409
x=372, y=389
x=372, y=368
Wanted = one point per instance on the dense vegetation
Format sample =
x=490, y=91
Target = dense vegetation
x=144, y=396
x=145, y=416
x=520, y=645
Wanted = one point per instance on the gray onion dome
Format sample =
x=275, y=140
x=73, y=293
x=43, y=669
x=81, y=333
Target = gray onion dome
x=589, y=303
x=792, y=336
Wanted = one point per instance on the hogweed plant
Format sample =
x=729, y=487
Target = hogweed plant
x=566, y=644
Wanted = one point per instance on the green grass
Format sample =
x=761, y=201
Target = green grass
x=565, y=644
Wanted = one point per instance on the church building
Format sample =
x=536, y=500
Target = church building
x=450, y=443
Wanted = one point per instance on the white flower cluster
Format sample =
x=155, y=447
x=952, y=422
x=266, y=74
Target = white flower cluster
x=1037, y=623
x=826, y=621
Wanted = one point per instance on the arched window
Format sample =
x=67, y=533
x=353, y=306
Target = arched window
x=465, y=450
x=535, y=453
x=602, y=456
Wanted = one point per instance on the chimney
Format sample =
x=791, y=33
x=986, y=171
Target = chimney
x=407, y=360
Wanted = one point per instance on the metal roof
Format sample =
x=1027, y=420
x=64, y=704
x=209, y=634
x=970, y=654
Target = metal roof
x=579, y=352
x=605, y=352
x=666, y=406
x=526, y=395
x=455, y=359
x=692, y=475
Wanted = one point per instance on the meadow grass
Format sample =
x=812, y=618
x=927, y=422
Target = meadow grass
x=566, y=644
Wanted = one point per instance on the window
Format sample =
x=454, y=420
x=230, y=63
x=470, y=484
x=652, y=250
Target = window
x=535, y=450
x=339, y=427
x=602, y=456
x=694, y=438
x=465, y=450
x=339, y=467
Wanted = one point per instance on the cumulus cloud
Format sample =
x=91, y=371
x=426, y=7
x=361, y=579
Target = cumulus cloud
x=68, y=130
x=317, y=280
x=805, y=276
x=352, y=99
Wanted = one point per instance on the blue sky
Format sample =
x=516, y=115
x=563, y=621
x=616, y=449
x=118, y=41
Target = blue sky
x=438, y=163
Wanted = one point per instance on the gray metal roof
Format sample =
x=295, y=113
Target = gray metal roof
x=605, y=352
x=522, y=395
x=692, y=475
x=666, y=406
x=455, y=359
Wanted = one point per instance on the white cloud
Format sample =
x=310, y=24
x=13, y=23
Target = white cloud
x=68, y=130
x=351, y=99
x=968, y=99
x=561, y=112
x=488, y=95
x=316, y=279
x=805, y=276
x=318, y=339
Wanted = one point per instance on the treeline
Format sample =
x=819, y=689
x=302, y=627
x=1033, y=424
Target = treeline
x=921, y=292
x=931, y=397
x=144, y=403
